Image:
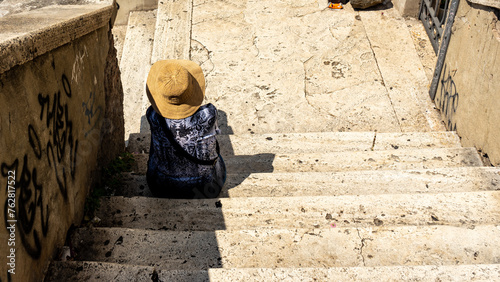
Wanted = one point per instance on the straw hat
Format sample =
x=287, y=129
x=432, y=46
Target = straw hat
x=175, y=88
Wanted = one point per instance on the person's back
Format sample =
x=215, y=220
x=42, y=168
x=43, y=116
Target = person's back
x=184, y=161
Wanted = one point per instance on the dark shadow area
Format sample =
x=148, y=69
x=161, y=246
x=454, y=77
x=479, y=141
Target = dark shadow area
x=186, y=237
x=239, y=167
x=144, y=124
x=386, y=5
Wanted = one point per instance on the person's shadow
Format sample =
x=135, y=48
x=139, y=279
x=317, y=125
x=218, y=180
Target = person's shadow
x=208, y=217
x=239, y=167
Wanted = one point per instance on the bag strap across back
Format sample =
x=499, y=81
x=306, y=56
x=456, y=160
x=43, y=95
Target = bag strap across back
x=181, y=150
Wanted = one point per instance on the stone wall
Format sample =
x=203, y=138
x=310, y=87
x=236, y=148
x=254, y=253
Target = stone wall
x=468, y=91
x=61, y=102
x=407, y=8
x=126, y=6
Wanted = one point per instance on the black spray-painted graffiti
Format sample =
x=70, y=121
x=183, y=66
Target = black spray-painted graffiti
x=93, y=115
x=448, y=98
x=60, y=153
x=61, y=129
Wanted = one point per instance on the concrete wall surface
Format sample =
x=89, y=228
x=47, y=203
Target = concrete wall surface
x=53, y=122
x=469, y=85
x=407, y=8
x=127, y=6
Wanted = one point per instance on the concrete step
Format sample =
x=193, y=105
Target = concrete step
x=119, y=33
x=98, y=271
x=173, y=30
x=247, y=144
x=134, y=66
x=344, y=161
x=401, y=69
x=438, y=180
x=332, y=247
x=318, y=212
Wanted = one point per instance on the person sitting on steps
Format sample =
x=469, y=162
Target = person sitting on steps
x=184, y=159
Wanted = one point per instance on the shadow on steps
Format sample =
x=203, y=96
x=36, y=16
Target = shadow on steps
x=239, y=167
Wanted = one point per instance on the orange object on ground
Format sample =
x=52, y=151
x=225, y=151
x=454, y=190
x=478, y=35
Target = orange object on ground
x=335, y=6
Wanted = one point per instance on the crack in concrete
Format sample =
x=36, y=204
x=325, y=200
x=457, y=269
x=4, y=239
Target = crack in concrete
x=374, y=140
x=306, y=93
x=312, y=13
x=362, y=246
x=209, y=56
x=254, y=42
x=191, y=29
x=380, y=72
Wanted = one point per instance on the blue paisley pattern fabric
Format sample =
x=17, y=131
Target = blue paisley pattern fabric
x=172, y=175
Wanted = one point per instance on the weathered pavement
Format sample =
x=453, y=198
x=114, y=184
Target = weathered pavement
x=288, y=66
x=296, y=66
x=338, y=166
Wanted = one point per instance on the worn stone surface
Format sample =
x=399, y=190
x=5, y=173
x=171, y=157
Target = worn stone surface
x=119, y=33
x=113, y=128
x=304, y=201
x=257, y=248
x=127, y=6
x=25, y=36
x=423, y=46
x=86, y=271
x=135, y=67
x=247, y=144
x=439, y=180
x=487, y=3
x=402, y=70
x=320, y=212
x=173, y=30
x=351, y=161
x=329, y=81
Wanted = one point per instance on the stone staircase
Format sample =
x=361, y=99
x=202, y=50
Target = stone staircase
x=311, y=206
x=396, y=198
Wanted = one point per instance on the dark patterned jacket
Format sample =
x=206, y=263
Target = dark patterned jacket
x=170, y=173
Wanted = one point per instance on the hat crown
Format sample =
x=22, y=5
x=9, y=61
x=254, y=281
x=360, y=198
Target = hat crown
x=173, y=81
x=175, y=88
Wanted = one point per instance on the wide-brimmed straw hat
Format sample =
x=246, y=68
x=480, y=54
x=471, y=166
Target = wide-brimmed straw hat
x=175, y=88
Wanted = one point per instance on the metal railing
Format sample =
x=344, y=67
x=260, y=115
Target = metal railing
x=433, y=15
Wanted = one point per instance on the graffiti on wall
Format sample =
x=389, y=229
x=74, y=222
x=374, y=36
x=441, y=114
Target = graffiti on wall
x=92, y=113
x=55, y=151
x=447, y=100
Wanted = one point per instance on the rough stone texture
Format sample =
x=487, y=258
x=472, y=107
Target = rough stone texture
x=135, y=67
x=90, y=271
x=468, y=87
x=53, y=87
x=438, y=180
x=257, y=248
x=488, y=3
x=320, y=212
x=423, y=46
x=248, y=144
x=119, y=32
x=25, y=36
x=407, y=8
x=112, y=130
x=173, y=30
x=363, y=4
x=329, y=78
x=351, y=161
x=401, y=69
x=127, y=6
